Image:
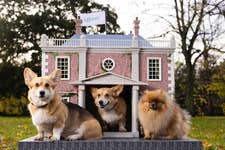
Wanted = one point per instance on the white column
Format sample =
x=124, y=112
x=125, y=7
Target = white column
x=135, y=64
x=171, y=78
x=44, y=57
x=82, y=58
x=82, y=65
x=43, y=64
x=134, y=128
x=82, y=70
x=135, y=59
x=81, y=96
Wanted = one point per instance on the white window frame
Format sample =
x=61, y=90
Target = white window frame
x=56, y=66
x=160, y=68
x=64, y=98
x=113, y=66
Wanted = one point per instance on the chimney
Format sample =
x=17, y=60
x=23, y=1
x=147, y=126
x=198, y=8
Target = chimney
x=78, y=25
x=136, y=26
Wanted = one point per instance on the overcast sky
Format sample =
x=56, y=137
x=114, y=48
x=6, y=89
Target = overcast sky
x=146, y=10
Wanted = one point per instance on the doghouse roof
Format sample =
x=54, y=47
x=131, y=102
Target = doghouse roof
x=107, y=36
x=108, y=78
x=111, y=40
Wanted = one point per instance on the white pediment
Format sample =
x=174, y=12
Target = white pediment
x=108, y=78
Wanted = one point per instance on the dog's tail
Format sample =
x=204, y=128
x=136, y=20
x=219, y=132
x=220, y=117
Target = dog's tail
x=186, y=123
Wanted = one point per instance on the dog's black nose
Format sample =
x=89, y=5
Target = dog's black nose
x=101, y=102
x=42, y=93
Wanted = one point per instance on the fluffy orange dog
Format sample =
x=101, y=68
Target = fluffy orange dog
x=111, y=106
x=52, y=117
x=161, y=117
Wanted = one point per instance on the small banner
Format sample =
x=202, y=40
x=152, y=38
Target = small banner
x=90, y=19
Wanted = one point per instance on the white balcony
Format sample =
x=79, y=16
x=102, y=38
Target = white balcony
x=108, y=43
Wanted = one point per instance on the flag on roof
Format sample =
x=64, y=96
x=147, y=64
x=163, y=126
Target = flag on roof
x=90, y=19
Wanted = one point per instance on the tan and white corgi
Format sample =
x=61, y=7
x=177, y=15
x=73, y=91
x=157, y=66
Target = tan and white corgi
x=111, y=106
x=51, y=116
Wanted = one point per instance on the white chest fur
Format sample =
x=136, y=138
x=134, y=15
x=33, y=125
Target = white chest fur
x=42, y=117
x=111, y=117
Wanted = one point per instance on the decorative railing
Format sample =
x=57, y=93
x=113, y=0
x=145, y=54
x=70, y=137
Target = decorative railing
x=107, y=43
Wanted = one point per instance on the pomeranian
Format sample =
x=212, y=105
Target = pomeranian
x=52, y=117
x=111, y=106
x=161, y=118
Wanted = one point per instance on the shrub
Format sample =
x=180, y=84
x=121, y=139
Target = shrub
x=13, y=106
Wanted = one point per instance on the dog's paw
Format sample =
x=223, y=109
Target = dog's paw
x=170, y=137
x=73, y=137
x=122, y=129
x=52, y=138
x=147, y=137
x=39, y=138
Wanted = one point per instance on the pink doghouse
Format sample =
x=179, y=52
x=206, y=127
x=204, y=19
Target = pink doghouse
x=106, y=60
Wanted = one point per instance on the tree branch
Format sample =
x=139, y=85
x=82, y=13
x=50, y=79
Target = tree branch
x=197, y=28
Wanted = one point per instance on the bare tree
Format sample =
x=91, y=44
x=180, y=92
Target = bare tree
x=198, y=24
x=195, y=29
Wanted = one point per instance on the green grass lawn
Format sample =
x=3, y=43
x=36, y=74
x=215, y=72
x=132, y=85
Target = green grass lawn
x=14, y=129
x=211, y=130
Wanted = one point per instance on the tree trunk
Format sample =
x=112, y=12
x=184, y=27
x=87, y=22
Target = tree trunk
x=190, y=78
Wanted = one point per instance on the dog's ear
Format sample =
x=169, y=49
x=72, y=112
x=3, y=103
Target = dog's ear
x=117, y=89
x=146, y=92
x=160, y=91
x=141, y=93
x=29, y=75
x=55, y=75
x=94, y=92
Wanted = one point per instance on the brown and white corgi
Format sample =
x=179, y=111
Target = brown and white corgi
x=111, y=106
x=51, y=116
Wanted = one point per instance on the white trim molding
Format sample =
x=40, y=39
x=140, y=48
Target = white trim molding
x=82, y=63
x=160, y=68
x=107, y=78
x=106, y=50
x=135, y=64
x=67, y=57
x=44, y=64
x=135, y=97
x=171, y=77
x=81, y=95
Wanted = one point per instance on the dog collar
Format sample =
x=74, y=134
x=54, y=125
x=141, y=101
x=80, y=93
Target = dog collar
x=113, y=107
x=42, y=106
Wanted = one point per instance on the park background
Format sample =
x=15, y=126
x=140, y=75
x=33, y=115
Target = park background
x=197, y=25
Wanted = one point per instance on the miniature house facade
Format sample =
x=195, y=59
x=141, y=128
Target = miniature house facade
x=106, y=60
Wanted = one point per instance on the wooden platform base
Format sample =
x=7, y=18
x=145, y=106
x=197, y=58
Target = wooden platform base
x=112, y=144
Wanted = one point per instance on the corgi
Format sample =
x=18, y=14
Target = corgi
x=111, y=106
x=52, y=117
x=161, y=118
